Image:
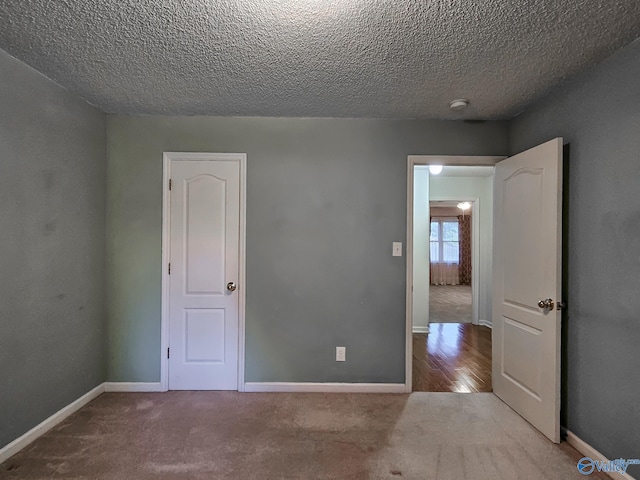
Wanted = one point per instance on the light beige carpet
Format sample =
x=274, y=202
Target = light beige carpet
x=228, y=435
x=449, y=304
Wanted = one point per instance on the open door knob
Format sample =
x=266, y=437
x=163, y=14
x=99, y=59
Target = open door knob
x=231, y=286
x=546, y=304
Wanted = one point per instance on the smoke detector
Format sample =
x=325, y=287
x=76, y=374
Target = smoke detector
x=459, y=104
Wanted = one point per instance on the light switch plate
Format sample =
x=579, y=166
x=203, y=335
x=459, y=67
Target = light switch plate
x=397, y=249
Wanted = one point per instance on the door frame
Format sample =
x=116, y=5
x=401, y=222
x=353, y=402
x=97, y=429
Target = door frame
x=475, y=248
x=412, y=161
x=167, y=159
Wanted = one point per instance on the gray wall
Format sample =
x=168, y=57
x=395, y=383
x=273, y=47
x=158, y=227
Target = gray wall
x=326, y=198
x=52, y=217
x=599, y=115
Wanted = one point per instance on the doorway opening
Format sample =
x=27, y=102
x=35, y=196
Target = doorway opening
x=526, y=299
x=450, y=261
x=451, y=274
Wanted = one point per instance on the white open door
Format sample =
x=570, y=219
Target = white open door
x=527, y=285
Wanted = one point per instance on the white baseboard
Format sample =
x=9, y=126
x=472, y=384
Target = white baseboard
x=485, y=323
x=21, y=442
x=420, y=329
x=133, y=387
x=325, y=387
x=588, y=451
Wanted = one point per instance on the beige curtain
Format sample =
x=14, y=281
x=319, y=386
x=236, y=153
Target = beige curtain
x=444, y=274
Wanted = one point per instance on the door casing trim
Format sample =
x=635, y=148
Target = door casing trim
x=167, y=159
x=412, y=161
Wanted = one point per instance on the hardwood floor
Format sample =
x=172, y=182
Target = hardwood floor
x=452, y=357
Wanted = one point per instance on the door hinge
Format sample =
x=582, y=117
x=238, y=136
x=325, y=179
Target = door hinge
x=169, y=268
x=170, y=184
x=167, y=352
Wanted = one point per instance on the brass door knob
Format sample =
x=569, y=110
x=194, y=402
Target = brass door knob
x=231, y=286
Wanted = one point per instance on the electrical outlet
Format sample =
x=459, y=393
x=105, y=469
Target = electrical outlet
x=341, y=354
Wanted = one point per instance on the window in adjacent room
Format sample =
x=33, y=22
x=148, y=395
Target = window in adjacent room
x=444, y=240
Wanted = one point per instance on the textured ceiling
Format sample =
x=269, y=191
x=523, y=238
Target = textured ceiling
x=331, y=58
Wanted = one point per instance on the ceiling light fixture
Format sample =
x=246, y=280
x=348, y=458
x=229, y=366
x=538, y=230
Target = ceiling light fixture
x=464, y=206
x=435, y=169
x=459, y=104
